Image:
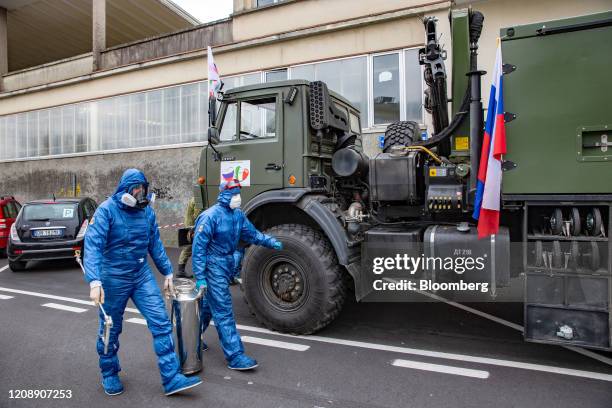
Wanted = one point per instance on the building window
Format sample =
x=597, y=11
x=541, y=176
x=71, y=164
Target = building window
x=261, y=3
x=276, y=75
x=173, y=115
x=413, y=79
x=241, y=80
x=348, y=77
x=386, y=88
x=393, y=91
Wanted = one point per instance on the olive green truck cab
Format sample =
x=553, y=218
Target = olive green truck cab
x=296, y=149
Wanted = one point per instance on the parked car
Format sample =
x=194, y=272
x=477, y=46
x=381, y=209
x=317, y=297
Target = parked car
x=49, y=229
x=9, y=208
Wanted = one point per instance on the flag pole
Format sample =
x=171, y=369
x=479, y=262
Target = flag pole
x=208, y=56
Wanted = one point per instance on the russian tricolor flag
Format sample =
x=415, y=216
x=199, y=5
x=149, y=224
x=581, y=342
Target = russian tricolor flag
x=488, y=189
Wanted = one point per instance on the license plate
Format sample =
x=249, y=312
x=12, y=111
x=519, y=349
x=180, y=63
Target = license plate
x=47, y=233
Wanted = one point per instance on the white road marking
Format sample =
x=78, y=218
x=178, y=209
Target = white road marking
x=442, y=355
x=275, y=343
x=64, y=307
x=62, y=298
x=380, y=347
x=249, y=339
x=518, y=327
x=4, y=268
x=439, y=368
x=6, y=297
x=136, y=320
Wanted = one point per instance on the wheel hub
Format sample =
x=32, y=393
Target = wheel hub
x=590, y=222
x=286, y=282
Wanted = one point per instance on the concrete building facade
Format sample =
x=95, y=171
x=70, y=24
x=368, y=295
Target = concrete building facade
x=72, y=125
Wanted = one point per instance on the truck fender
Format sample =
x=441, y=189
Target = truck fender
x=328, y=222
x=287, y=196
x=349, y=257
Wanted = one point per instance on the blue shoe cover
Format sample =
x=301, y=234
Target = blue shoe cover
x=242, y=362
x=180, y=383
x=112, y=385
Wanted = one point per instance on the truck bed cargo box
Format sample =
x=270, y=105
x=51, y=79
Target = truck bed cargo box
x=558, y=84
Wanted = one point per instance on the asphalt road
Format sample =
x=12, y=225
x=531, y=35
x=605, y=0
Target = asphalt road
x=374, y=355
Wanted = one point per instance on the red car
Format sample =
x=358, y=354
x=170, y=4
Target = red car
x=9, y=208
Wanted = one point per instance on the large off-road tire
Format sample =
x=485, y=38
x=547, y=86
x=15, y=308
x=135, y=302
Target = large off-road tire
x=17, y=266
x=297, y=290
x=402, y=133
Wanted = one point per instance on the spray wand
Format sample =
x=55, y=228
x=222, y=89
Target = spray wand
x=108, y=321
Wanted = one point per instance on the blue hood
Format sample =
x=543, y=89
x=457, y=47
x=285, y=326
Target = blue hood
x=130, y=177
x=225, y=196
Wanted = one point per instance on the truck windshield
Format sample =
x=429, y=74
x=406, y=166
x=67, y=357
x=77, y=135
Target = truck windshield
x=49, y=212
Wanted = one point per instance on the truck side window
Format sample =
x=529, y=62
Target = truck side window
x=228, y=127
x=258, y=118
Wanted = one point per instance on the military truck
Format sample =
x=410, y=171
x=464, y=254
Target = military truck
x=296, y=147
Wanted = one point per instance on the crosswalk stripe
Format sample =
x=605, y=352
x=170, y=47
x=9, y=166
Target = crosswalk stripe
x=440, y=368
x=275, y=343
x=6, y=297
x=64, y=307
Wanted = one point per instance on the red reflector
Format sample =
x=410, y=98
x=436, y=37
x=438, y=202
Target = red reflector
x=76, y=248
x=18, y=251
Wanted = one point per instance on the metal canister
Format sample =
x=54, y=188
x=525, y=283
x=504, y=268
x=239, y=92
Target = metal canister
x=185, y=317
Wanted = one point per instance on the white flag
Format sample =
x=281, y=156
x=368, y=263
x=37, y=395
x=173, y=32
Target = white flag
x=214, y=82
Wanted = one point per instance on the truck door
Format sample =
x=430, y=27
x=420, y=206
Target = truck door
x=251, y=146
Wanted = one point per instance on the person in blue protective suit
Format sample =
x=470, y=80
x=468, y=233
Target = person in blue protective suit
x=120, y=236
x=217, y=233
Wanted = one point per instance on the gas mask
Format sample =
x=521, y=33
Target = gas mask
x=136, y=197
x=235, y=202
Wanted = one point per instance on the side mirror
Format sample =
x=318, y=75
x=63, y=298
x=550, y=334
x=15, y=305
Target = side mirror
x=212, y=110
x=213, y=135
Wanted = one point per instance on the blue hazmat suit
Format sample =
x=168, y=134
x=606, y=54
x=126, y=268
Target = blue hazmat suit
x=238, y=255
x=117, y=243
x=217, y=233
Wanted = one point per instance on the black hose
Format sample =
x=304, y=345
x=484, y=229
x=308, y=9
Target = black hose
x=458, y=119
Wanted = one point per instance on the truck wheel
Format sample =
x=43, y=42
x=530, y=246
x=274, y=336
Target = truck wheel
x=556, y=222
x=17, y=266
x=402, y=133
x=593, y=222
x=297, y=290
x=575, y=225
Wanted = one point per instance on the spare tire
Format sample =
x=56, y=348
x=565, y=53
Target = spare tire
x=402, y=133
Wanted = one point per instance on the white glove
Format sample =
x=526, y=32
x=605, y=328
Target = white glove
x=168, y=287
x=96, y=294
